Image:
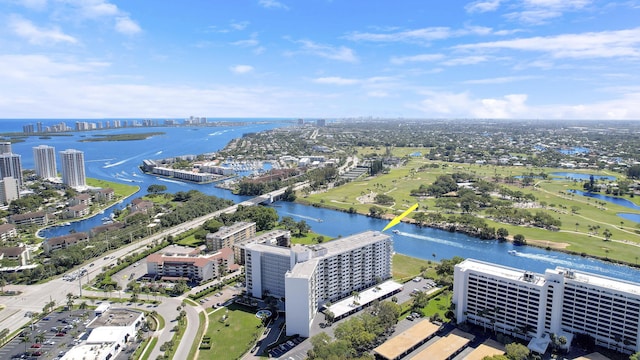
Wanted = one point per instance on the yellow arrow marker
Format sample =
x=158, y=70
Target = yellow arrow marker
x=397, y=219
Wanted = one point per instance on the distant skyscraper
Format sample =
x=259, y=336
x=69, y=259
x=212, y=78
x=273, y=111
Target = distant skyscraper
x=10, y=166
x=73, y=168
x=5, y=147
x=44, y=157
x=39, y=126
x=321, y=122
x=28, y=129
x=8, y=190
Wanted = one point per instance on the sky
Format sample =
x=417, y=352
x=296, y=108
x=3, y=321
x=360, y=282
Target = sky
x=483, y=59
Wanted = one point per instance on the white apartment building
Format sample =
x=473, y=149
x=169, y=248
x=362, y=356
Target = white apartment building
x=73, y=168
x=9, y=190
x=11, y=166
x=310, y=276
x=44, y=157
x=227, y=236
x=560, y=301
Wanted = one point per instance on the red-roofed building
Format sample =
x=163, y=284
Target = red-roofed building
x=84, y=199
x=77, y=211
x=193, y=266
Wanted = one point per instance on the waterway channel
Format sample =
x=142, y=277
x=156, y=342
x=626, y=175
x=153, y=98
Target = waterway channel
x=118, y=161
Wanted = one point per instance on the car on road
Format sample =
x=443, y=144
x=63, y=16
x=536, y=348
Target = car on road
x=36, y=346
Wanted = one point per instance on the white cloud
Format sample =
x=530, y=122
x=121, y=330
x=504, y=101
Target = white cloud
x=514, y=106
x=425, y=35
x=335, y=80
x=95, y=8
x=541, y=11
x=400, y=60
x=239, y=25
x=498, y=80
x=482, y=6
x=18, y=67
x=340, y=53
x=466, y=60
x=34, y=4
x=605, y=44
x=125, y=25
x=241, y=69
x=273, y=4
x=39, y=36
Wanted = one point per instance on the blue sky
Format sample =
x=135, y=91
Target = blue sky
x=529, y=59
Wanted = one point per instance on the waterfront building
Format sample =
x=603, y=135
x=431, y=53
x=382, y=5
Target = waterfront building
x=192, y=266
x=44, y=158
x=273, y=237
x=228, y=236
x=561, y=301
x=11, y=166
x=8, y=231
x=73, y=168
x=31, y=218
x=9, y=190
x=315, y=275
x=64, y=241
x=5, y=147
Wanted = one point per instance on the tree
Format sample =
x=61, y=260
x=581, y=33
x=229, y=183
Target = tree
x=635, y=356
x=156, y=189
x=26, y=338
x=519, y=239
x=69, y=301
x=607, y=234
x=515, y=351
x=329, y=316
x=502, y=233
x=303, y=228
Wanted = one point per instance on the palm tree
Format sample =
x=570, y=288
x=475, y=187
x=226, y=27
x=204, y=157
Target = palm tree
x=26, y=338
x=40, y=338
x=83, y=305
x=69, y=300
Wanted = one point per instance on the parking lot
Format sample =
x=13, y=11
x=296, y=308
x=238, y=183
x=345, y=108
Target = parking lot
x=50, y=338
x=283, y=348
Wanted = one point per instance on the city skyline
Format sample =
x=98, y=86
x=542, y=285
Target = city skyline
x=528, y=59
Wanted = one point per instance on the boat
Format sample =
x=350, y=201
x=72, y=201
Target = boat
x=395, y=231
x=512, y=252
x=66, y=224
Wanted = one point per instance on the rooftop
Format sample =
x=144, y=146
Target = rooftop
x=231, y=229
x=115, y=317
x=364, y=297
x=504, y=272
x=87, y=351
x=352, y=242
x=272, y=249
x=406, y=340
x=598, y=280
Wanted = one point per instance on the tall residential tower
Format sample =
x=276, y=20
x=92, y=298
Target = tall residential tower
x=44, y=157
x=10, y=166
x=73, y=168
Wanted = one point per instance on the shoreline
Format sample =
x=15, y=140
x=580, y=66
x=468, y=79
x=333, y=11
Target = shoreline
x=534, y=242
x=98, y=212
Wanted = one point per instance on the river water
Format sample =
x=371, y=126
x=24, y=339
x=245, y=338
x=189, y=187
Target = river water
x=119, y=161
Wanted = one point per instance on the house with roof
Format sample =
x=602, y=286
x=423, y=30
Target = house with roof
x=8, y=231
x=62, y=242
x=32, y=218
x=191, y=266
x=77, y=211
x=18, y=253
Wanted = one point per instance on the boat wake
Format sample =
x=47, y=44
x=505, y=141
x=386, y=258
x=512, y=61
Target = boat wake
x=171, y=181
x=305, y=217
x=432, y=239
x=566, y=263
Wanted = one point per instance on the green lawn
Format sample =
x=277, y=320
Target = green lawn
x=406, y=267
x=231, y=340
x=309, y=239
x=440, y=304
x=190, y=241
x=121, y=190
x=573, y=235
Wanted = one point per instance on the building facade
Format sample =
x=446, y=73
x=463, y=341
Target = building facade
x=73, y=173
x=44, y=158
x=315, y=275
x=192, y=267
x=560, y=301
x=9, y=190
x=11, y=166
x=228, y=236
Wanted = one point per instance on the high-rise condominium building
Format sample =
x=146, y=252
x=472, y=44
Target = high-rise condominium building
x=73, y=168
x=5, y=147
x=44, y=157
x=560, y=301
x=310, y=276
x=9, y=190
x=10, y=166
